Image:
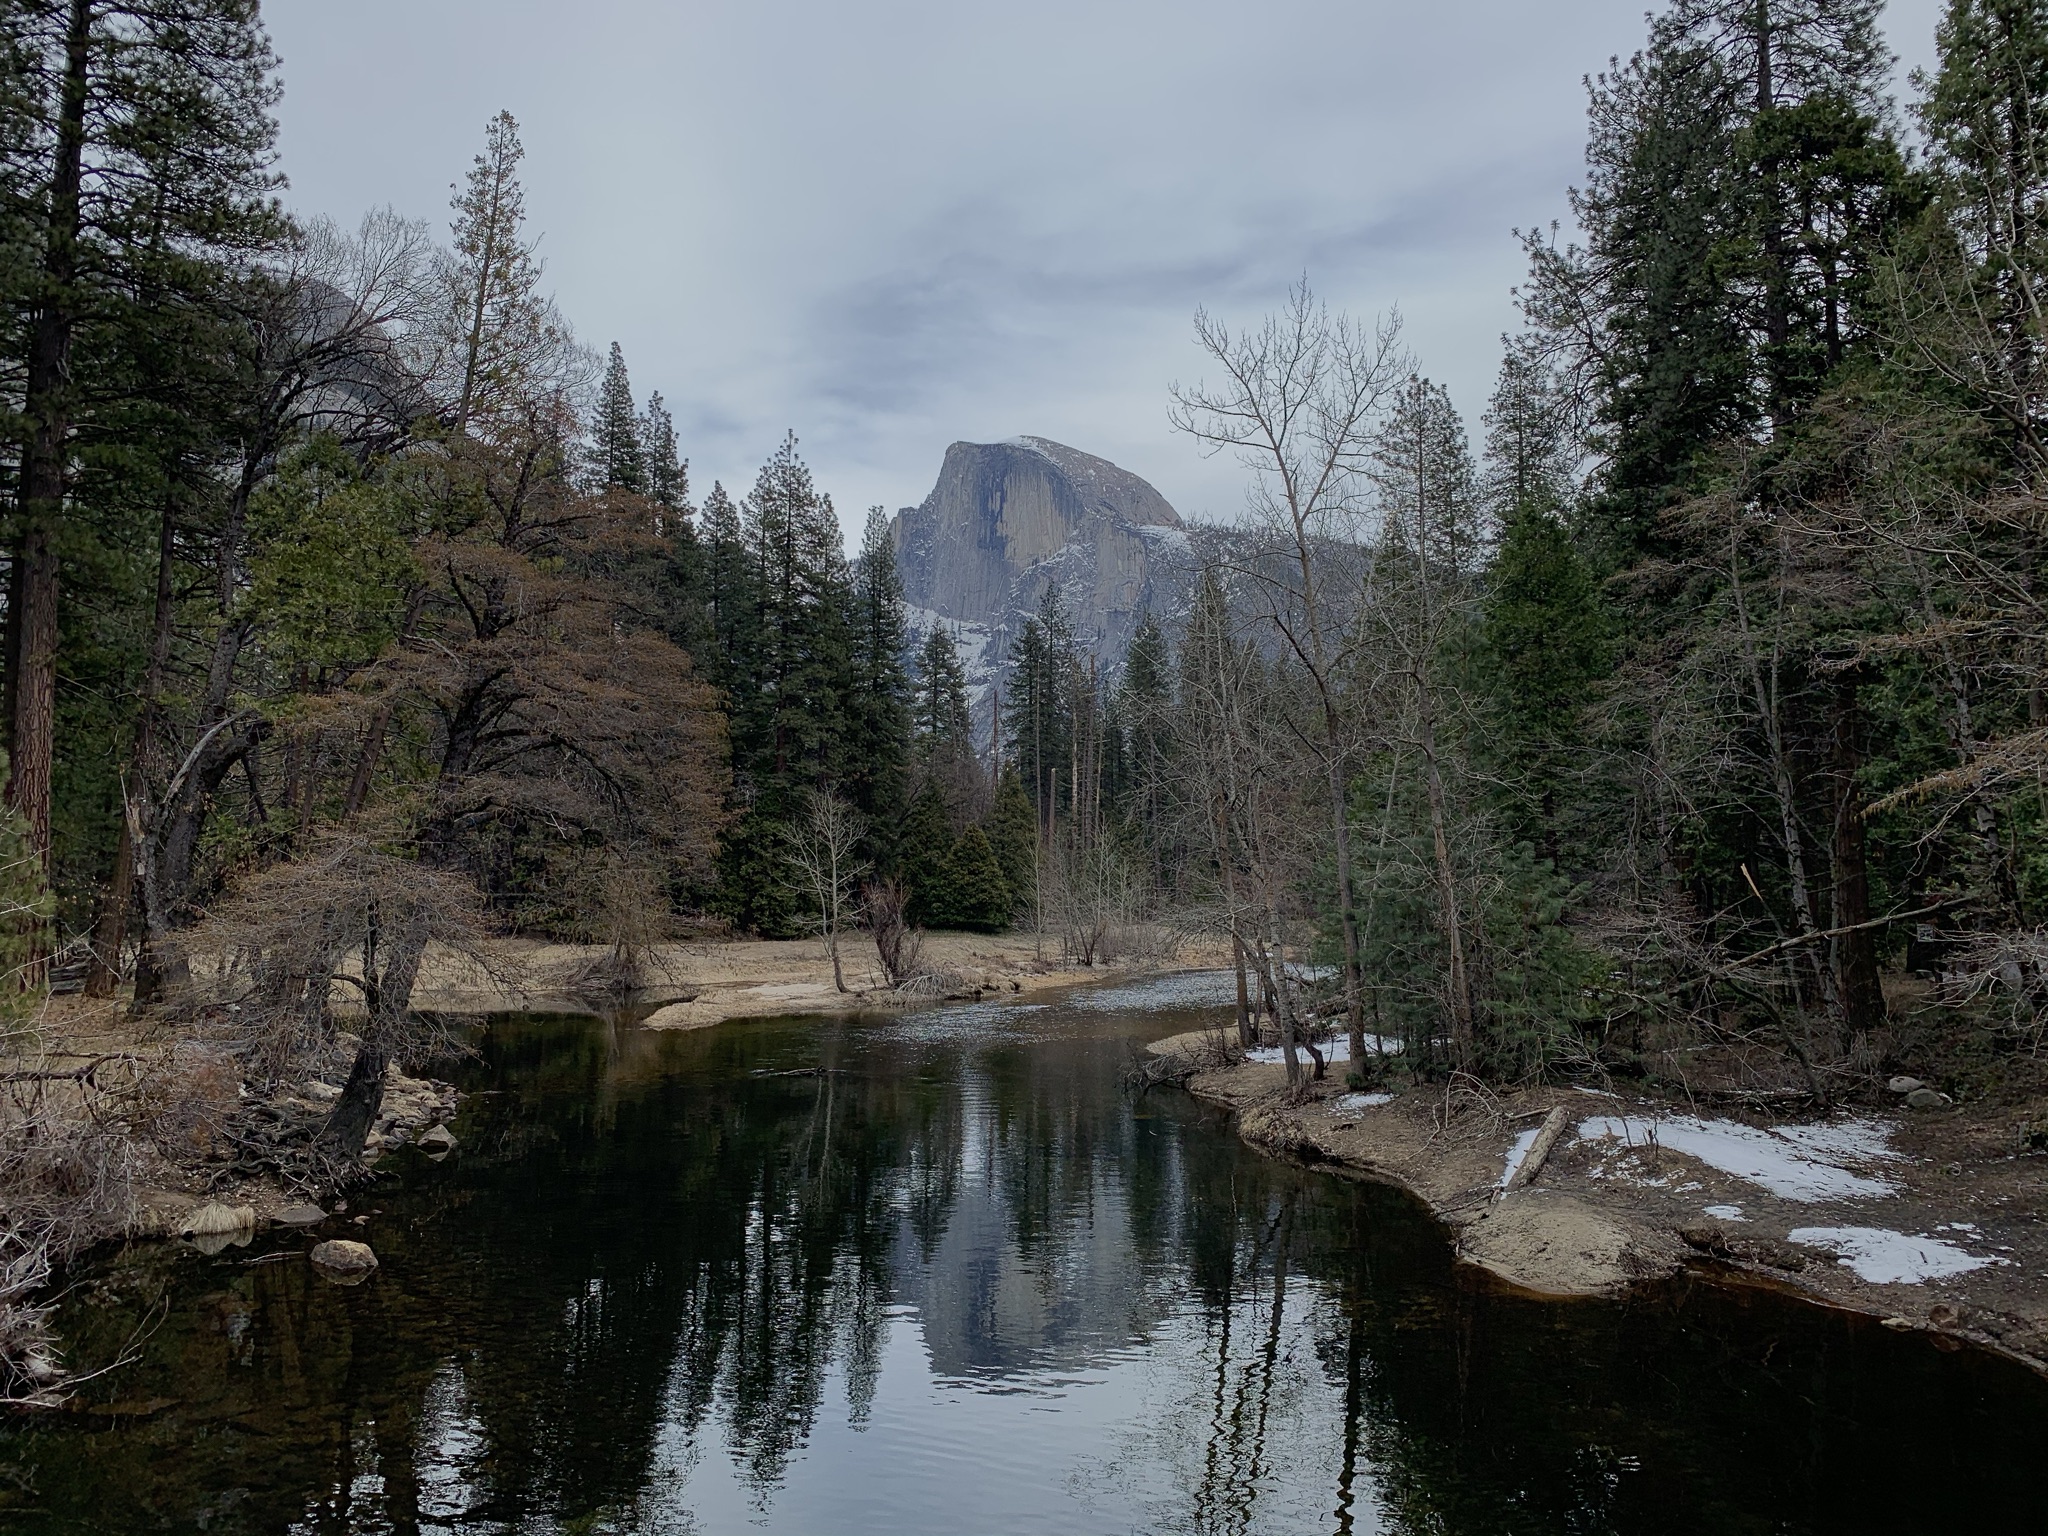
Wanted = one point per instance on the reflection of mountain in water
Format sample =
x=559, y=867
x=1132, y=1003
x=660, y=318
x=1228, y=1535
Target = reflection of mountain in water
x=739, y=1277
x=1000, y=1295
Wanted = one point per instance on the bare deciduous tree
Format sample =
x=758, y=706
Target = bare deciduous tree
x=821, y=851
x=1300, y=403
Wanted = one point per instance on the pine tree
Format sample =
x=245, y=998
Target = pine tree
x=926, y=857
x=942, y=719
x=729, y=592
x=878, y=709
x=972, y=892
x=667, y=474
x=1038, y=710
x=803, y=648
x=1985, y=115
x=621, y=462
x=504, y=334
x=1544, y=639
x=1545, y=644
x=137, y=162
x=1012, y=831
x=1428, y=490
x=1532, y=446
x=1743, y=179
x=1144, y=701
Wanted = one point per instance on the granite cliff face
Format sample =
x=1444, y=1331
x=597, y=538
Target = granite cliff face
x=1007, y=520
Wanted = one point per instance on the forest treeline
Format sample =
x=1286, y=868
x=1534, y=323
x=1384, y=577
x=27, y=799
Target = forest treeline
x=1692, y=728
x=1687, y=726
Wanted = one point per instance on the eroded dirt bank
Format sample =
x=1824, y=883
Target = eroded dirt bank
x=1930, y=1220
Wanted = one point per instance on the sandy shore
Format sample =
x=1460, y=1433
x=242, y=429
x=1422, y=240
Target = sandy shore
x=1930, y=1220
x=693, y=985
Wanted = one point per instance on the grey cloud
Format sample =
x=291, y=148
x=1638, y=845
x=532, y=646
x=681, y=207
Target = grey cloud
x=895, y=223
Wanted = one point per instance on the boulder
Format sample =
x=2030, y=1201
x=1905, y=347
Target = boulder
x=344, y=1262
x=437, y=1139
x=302, y=1213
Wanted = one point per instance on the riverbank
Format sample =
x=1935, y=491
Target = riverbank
x=689, y=985
x=171, y=1126
x=1929, y=1219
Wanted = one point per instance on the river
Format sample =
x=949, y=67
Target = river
x=936, y=1273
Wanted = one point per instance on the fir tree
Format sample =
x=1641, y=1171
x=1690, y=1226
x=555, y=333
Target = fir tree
x=1545, y=644
x=1013, y=833
x=621, y=462
x=667, y=474
x=1144, y=736
x=799, y=645
x=1039, y=710
x=878, y=710
x=137, y=162
x=971, y=891
x=505, y=333
x=926, y=855
x=942, y=718
x=729, y=592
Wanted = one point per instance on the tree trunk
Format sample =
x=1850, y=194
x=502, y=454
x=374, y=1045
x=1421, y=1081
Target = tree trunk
x=1246, y=1035
x=1354, y=1004
x=1783, y=788
x=387, y=999
x=1283, y=1006
x=173, y=840
x=112, y=934
x=47, y=404
x=349, y=1123
x=1463, y=1041
x=1856, y=973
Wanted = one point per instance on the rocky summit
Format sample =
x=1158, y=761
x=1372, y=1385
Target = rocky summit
x=1008, y=520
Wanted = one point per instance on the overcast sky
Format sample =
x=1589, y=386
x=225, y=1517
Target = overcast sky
x=894, y=224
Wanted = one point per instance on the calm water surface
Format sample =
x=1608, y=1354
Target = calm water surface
x=935, y=1274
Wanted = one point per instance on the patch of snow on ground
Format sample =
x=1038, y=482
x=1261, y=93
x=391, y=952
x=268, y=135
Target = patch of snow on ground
x=1840, y=1139
x=1796, y=1167
x=1520, y=1150
x=1884, y=1257
x=1362, y=1100
x=1333, y=1051
x=1726, y=1213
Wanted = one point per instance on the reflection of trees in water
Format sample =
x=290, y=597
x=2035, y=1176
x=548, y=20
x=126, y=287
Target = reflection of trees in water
x=647, y=1254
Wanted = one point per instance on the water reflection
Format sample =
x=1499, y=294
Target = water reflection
x=935, y=1275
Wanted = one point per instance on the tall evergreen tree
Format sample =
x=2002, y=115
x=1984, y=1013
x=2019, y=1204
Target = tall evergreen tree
x=621, y=462
x=878, y=726
x=1013, y=834
x=142, y=162
x=793, y=543
x=667, y=473
x=504, y=333
x=942, y=718
x=728, y=588
x=1543, y=636
x=1038, y=711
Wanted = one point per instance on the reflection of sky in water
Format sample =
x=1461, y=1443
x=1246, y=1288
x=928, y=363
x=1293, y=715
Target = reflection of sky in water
x=1137, y=1443
x=1187, y=989
x=1082, y=1007
x=959, y=1282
